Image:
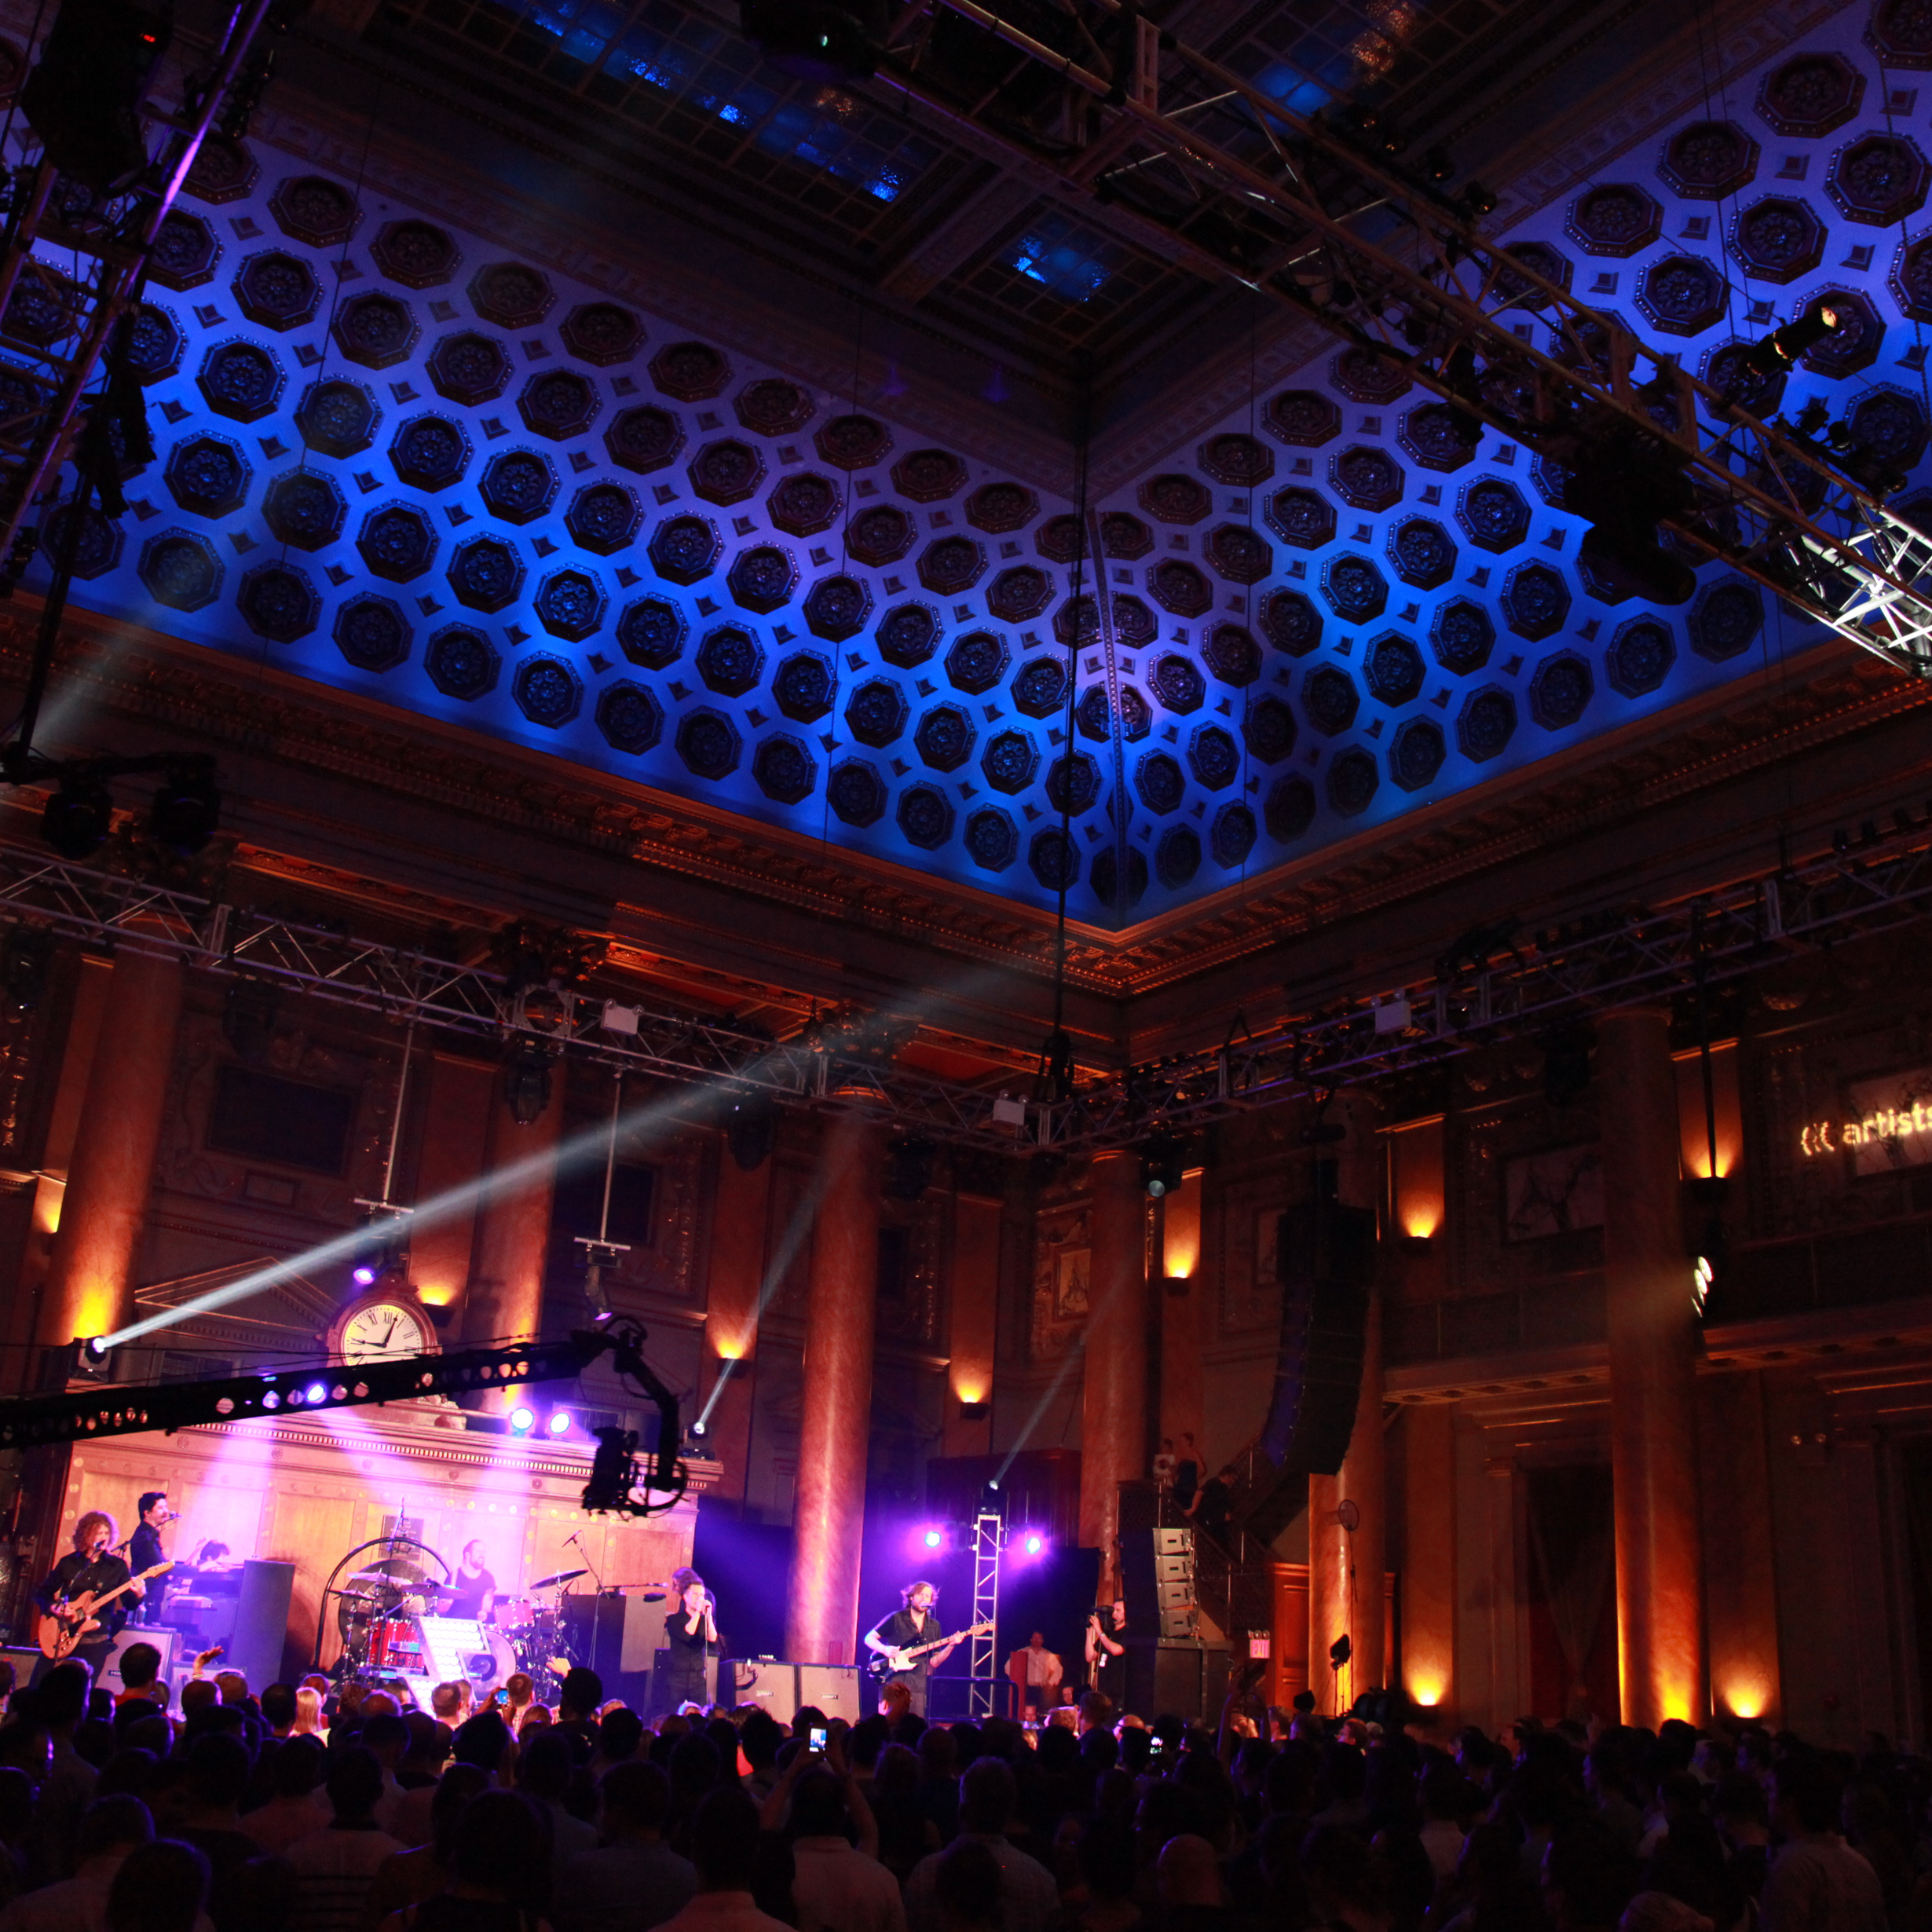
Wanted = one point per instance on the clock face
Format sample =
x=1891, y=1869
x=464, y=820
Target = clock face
x=379, y=1330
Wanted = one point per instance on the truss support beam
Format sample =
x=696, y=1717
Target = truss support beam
x=1502, y=983
x=89, y=266
x=1295, y=210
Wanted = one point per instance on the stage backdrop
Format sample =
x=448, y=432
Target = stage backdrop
x=307, y=1491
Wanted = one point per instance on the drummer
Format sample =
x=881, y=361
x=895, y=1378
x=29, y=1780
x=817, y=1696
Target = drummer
x=473, y=1594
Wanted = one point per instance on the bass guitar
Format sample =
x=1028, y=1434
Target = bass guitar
x=65, y=1627
x=890, y=1662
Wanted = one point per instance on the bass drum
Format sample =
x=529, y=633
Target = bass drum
x=489, y=1670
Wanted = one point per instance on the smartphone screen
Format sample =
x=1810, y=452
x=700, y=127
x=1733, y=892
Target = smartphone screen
x=818, y=1737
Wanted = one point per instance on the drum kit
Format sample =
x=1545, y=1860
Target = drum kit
x=382, y=1608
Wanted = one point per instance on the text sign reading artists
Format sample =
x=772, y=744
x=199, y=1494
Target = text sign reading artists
x=1890, y=1125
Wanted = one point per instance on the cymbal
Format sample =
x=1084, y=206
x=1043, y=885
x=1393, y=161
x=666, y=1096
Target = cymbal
x=562, y=1576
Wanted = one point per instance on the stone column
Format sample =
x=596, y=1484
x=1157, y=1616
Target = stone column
x=104, y=1206
x=1180, y=1311
x=741, y=1205
x=1427, y=1434
x=1114, y=1396
x=821, y=1623
x=459, y=1105
x=1653, y=1340
x=973, y=1323
x=505, y=1299
x=1347, y=1566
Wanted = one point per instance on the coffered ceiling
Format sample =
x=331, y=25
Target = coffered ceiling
x=442, y=435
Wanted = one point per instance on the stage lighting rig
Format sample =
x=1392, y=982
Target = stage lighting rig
x=78, y=814
x=84, y=96
x=815, y=40
x=527, y=1080
x=1163, y=1165
x=77, y=817
x=617, y=1486
x=1780, y=351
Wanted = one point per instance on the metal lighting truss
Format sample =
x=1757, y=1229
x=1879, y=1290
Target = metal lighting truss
x=1506, y=982
x=848, y=1066
x=1502, y=984
x=87, y=260
x=81, y=1415
x=983, y=1673
x=1300, y=211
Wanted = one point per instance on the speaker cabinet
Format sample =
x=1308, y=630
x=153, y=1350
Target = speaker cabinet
x=714, y=1674
x=1325, y=1255
x=783, y=1689
x=1170, y=1679
x=163, y=1640
x=261, y=1629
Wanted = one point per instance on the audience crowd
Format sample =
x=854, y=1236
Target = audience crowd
x=311, y=1808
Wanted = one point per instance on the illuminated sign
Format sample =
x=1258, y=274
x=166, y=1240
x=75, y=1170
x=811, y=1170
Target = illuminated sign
x=1890, y=1127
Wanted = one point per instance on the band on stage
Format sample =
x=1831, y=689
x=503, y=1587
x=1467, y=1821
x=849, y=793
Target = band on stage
x=389, y=1610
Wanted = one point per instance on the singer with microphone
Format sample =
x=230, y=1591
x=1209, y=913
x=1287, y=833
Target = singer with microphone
x=145, y=1550
x=691, y=1637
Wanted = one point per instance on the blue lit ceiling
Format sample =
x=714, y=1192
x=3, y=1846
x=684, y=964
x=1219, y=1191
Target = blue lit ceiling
x=489, y=494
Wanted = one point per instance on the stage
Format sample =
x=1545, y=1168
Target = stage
x=306, y=1492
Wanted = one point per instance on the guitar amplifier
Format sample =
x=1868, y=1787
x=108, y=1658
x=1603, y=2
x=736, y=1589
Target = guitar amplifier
x=784, y=1689
x=163, y=1640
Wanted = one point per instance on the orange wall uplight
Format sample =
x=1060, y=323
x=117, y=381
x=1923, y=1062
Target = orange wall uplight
x=1745, y=1697
x=1180, y=1242
x=1693, y=1135
x=1415, y=1176
x=434, y=1294
x=1425, y=1688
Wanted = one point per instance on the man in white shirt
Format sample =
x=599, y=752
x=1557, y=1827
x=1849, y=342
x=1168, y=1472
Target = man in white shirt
x=1036, y=1672
x=988, y=1796
x=1817, y=1882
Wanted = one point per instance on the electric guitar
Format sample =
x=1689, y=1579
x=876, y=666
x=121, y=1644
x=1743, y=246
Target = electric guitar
x=890, y=1662
x=64, y=1627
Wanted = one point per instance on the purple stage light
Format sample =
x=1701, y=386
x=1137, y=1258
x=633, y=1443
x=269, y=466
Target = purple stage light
x=933, y=1539
x=1032, y=1542
x=315, y=1392
x=560, y=1422
x=363, y=1273
x=521, y=1420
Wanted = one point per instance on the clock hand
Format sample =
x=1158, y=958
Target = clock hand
x=387, y=1332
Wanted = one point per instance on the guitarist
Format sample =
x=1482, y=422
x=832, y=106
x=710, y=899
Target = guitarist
x=91, y=1565
x=912, y=1625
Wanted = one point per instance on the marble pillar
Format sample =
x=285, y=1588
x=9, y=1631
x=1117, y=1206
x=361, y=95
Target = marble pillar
x=822, y=1621
x=1653, y=1343
x=505, y=1298
x=742, y=1205
x=103, y=1208
x=1347, y=1511
x=1114, y=1425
